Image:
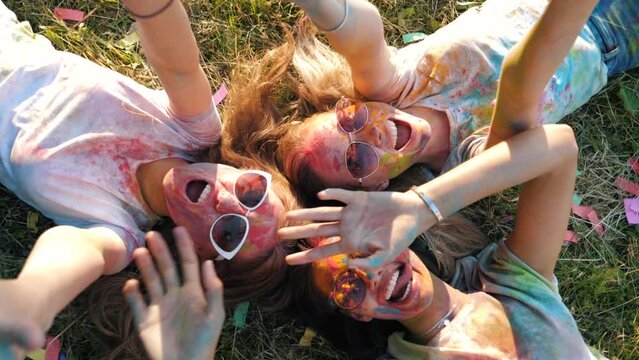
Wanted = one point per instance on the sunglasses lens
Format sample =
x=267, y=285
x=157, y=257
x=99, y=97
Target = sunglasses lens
x=361, y=159
x=349, y=291
x=229, y=231
x=250, y=189
x=351, y=116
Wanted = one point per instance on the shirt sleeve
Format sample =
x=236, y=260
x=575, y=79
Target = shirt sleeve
x=467, y=148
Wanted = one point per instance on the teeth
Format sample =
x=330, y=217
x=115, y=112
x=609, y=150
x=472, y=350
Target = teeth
x=205, y=193
x=392, y=129
x=407, y=291
x=391, y=285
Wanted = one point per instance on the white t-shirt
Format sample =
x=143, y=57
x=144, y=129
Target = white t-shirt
x=74, y=133
x=456, y=69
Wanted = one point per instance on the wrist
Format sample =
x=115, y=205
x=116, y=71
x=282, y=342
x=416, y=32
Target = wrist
x=426, y=217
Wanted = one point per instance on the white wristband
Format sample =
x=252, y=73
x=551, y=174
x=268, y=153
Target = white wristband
x=431, y=205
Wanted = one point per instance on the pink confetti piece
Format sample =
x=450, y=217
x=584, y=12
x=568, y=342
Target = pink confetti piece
x=52, y=349
x=570, y=237
x=68, y=14
x=220, y=94
x=631, y=215
x=586, y=212
x=627, y=185
x=506, y=219
x=634, y=164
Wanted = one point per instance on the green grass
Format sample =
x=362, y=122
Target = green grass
x=599, y=277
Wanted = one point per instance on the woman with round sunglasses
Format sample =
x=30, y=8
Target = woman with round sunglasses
x=513, y=309
x=426, y=104
x=106, y=158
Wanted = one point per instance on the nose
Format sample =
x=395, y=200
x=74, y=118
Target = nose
x=227, y=203
x=370, y=134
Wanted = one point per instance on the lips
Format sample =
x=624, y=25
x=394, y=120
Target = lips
x=398, y=285
x=401, y=133
x=197, y=190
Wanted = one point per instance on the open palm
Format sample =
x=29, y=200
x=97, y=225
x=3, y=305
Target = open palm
x=181, y=322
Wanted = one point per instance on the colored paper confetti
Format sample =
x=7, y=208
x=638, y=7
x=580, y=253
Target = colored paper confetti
x=576, y=199
x=239, y=315
x=68, y=14
x=627, y=185
x=307, y=338
x=36, y=354
x=632, y=215
x=53, y=348
x=578, y=172
x=506, y=219
x=32, y=221
x=634, y=164
x=220, y=94
x=586, y=212
x=570, y=237
x=412, y=37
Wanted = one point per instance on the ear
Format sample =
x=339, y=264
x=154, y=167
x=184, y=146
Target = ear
x=382, y=186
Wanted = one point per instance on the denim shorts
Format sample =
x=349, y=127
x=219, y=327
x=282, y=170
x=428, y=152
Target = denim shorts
x=615, y=25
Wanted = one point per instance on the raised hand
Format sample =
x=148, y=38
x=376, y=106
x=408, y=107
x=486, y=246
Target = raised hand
x=18, y=334
x=181, y=322
x=376, y=225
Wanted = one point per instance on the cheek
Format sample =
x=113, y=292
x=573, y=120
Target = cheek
x=395, y=164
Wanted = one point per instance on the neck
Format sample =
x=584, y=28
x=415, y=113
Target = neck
x=444, y=299
x=150, y=177
x=438, y=148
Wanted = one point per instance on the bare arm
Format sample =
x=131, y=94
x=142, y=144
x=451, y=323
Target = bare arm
x=387, y=222
x=360, y=39
x=170, y=47
x=529, y=65
x=64, y=261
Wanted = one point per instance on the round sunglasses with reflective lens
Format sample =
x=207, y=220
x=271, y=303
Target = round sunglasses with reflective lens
x=361, y=158
x=228, y=233
x=349, y=290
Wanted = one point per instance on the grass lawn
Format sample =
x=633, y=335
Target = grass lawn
x=599, y=276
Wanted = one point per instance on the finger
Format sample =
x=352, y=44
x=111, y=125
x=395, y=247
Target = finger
x=320, y=252
x=149, y=274
x=370, y=263
x=163, y=259
x=188, y=258
x=345, y=196
x=135, y=300
x=323, y=213
x=21, y=332
x=214, y=290
x=308, y=230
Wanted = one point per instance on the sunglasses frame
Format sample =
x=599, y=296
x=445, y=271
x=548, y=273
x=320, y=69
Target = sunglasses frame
x=351, y=141
x=331, y=295
x=228, y=255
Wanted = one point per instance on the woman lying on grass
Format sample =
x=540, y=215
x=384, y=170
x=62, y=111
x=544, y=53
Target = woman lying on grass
x=106, y=158
x=513, y=308
x=425, y=104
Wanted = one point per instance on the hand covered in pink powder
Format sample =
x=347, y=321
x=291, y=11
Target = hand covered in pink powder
x=181, y=321
x=378, y=224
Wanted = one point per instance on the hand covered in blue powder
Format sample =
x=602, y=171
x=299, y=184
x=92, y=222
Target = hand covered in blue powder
x=181, y=321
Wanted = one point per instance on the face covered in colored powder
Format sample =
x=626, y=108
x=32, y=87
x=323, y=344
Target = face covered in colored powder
x=399, y=290
x=398, y=138
x=198, y=194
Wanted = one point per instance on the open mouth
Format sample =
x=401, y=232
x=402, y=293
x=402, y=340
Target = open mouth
x=399, y=286
x=198, y=190
x=403, y=131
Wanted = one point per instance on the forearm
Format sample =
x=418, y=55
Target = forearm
x=522, y=158
x=61, y=265
x=531, y=63
x=167, y=39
